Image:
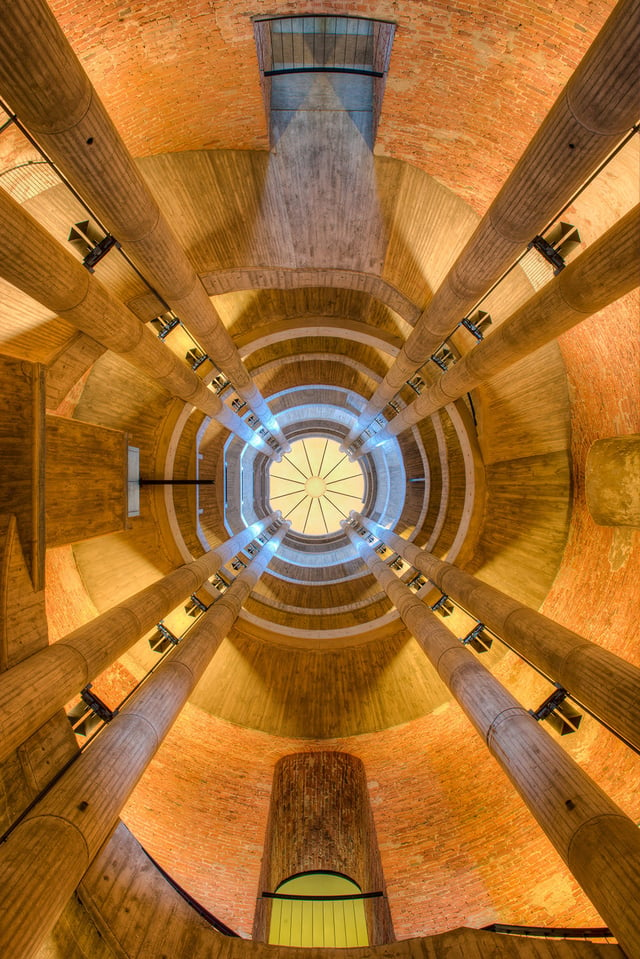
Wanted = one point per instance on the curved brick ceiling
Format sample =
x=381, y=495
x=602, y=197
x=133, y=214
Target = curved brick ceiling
x=454, y=69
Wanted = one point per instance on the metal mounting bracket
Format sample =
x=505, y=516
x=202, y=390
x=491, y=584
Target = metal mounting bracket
x=475, y=632
x=97, y=706
x=167, y=634
x=439, y=602
x=198, y=602
x=551, y=702
x=99, y=251
x=468, y=325
x=549, y=252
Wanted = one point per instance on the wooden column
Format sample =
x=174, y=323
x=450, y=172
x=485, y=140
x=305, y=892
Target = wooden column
x=597, y=106
x=600, y=845
x=49, y=90
x=603, y=682
x=32, y=260
x=48, y=852
x=602, y=274
x=35, y=688
x=85, y=480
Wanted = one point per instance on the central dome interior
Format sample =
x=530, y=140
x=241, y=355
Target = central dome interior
x=315, y=486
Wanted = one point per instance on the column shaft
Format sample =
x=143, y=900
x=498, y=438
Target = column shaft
x=32, y=691
x=49, y=90
x=602, y=274
x=46, y=855
x=597, y=106
x=600, y=845
x=603, y=682
x=33, y=261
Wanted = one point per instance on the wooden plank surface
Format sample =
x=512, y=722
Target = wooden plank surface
x=22, y=453
x=86, y=480
x=129, y=911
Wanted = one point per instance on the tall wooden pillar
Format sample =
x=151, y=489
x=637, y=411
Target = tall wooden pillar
x=46, y=855
x=47, y=87
x=597, y=106
x=602, y=274
x=90, y=461
x=600, y=845
x=35, y=688
x=22, y=455
x=33, y=261
x=603, y=682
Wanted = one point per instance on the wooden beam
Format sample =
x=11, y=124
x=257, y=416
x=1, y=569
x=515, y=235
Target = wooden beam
x=22, y=452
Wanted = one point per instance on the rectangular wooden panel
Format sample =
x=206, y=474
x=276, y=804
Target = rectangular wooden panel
x=86, y=480
x=22, y=391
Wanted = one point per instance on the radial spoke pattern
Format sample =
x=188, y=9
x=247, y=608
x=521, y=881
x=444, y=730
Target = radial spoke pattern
x=315, y=486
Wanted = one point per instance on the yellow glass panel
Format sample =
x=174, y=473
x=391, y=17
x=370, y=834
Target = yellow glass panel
x=337, y=923
x=315, y=486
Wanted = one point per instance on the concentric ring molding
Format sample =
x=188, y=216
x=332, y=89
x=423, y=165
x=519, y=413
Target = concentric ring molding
x=321, y=409
x=383, y=470
x=333, y=418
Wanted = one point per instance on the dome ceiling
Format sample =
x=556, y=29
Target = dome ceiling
x=314, y=486
x=319, y=352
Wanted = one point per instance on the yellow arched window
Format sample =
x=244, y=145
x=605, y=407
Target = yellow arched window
x=318, y=909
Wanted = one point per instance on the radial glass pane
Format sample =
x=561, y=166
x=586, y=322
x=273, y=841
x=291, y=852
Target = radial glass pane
x=316, y=486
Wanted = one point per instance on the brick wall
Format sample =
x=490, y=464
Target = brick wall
x=458, y=847
x=468, y=83
x=467, y=89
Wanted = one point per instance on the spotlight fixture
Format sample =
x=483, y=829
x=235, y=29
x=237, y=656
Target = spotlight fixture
x=561, y=716
x=163, y=639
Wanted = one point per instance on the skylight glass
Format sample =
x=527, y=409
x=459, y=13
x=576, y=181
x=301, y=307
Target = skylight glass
x=315, y=486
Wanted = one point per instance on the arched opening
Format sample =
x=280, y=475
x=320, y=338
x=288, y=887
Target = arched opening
x=318, y=909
